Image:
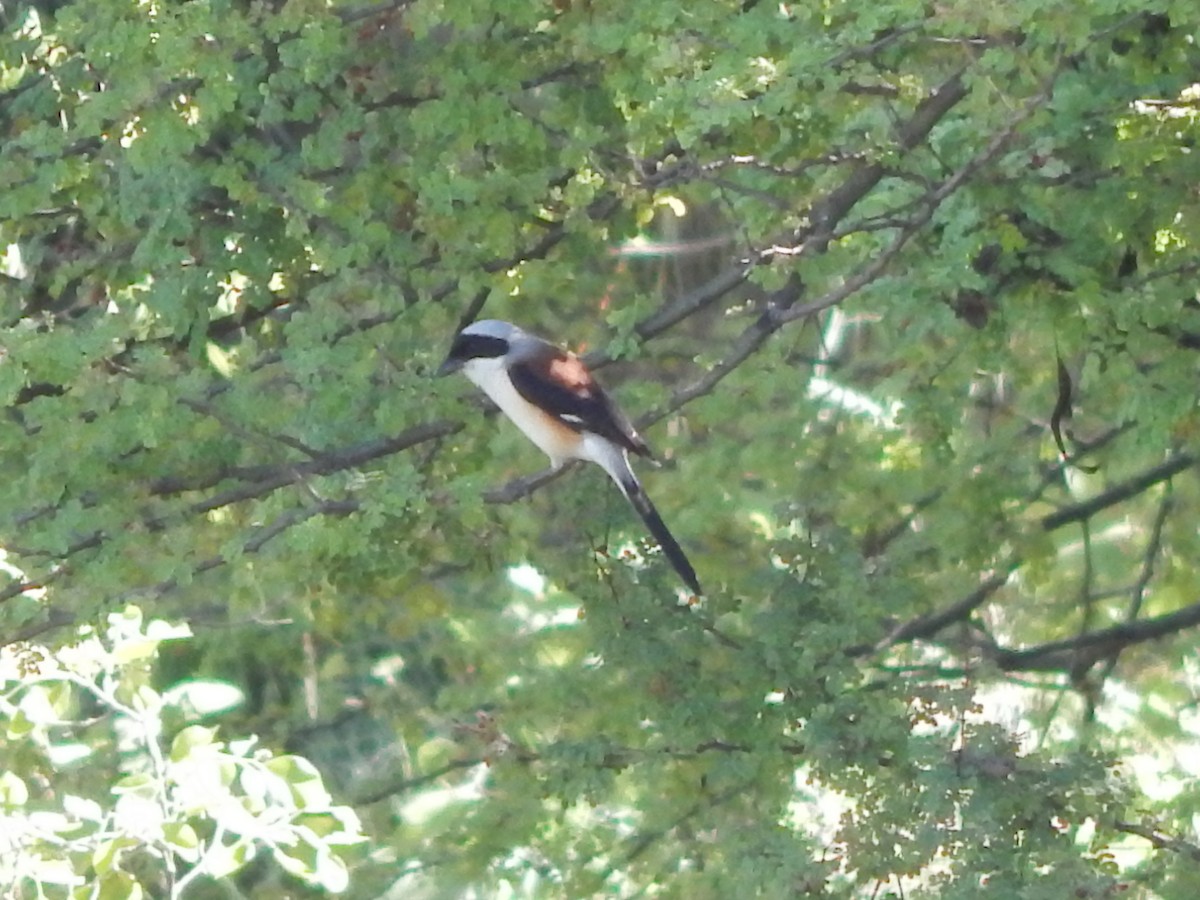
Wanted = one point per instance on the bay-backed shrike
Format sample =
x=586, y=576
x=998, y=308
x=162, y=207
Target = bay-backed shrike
x=551, y=396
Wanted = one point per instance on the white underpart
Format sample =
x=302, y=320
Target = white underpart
x=558, y=443
x=612, y=459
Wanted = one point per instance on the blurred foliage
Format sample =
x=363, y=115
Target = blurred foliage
x=96, y=801
x=903, y=293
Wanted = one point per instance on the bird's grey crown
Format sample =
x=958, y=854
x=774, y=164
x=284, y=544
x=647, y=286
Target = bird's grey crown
x=485, y=337
x=493, y=328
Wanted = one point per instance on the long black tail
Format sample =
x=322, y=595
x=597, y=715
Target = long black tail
x=632, y=489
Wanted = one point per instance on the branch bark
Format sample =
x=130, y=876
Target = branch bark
x=1064, y=655
x=1119, y=493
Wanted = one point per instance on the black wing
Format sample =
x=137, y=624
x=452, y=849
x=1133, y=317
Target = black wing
x=561, y=385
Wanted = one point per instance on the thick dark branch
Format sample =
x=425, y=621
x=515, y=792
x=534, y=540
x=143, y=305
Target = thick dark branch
x=514, y=490
x=675, y=311
x=1119, y=493
x=377, y=792
x=55, y=618
x=823, y=218
x=746, y=345
x=259, y=480
x=275, y=477
x=350, y=16
x=1138, y=591
x=931, y=201
x=1052, y=474
x=928, y=625
x=827, y=214
x=1159, y=839
x=268, y=479
x=1064, y=655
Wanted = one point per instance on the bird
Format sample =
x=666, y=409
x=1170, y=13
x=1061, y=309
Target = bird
x=550, y=395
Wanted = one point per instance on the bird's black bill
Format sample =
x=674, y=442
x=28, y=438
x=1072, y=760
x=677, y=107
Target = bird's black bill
x=449, y=367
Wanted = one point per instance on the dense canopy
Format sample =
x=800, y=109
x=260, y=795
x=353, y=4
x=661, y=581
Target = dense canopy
x=904, y=294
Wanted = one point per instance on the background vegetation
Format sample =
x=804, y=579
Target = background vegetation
x=903, y=292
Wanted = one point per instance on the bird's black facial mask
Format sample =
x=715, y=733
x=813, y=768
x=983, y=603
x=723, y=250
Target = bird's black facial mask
x=471, y=346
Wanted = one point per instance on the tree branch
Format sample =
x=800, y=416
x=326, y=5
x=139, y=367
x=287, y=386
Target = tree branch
x=268, y=479
x=56, y=618
x=260, y=480
x=1160, y=840
x=750, y=340
x=1119, y=493
x=932, y=200
x=1065, y=654
x=824, y=217
x=930, y=624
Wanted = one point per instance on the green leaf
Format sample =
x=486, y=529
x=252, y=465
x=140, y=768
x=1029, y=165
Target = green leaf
x=433, y=755
x=182, y=838
x=223, y=860
x=106, y=857
x=199, y=698
x=13, y=791
x=303, y=778
x=132, y=651
x=189, y=739
x=19, y=726
x=266, y=790
x=139, y=783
